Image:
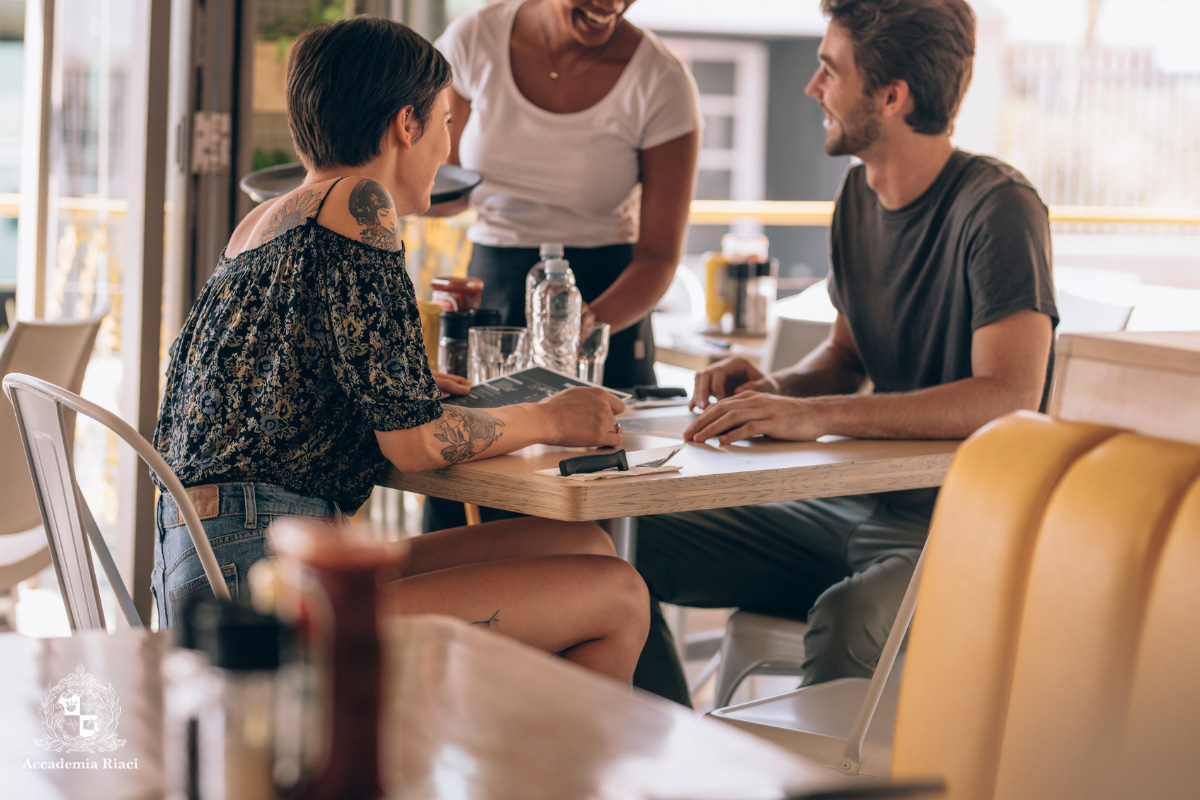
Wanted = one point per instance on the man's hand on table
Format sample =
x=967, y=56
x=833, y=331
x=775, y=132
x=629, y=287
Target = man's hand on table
x=582, y=416
x=749, y=413
x=728, y=377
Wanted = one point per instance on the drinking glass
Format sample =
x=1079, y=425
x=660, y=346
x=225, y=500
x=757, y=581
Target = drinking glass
x=496, y=350
x=593, y=349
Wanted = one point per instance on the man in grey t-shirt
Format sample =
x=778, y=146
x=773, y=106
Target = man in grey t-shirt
x=940, y=273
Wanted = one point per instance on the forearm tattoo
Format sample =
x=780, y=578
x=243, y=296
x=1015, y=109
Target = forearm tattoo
x=371, y=206
x=467, y=432
x=290, y=213
x=494, y=619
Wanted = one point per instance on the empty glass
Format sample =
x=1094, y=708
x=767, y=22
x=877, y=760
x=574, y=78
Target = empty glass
x=593, y=349
x=495, y=351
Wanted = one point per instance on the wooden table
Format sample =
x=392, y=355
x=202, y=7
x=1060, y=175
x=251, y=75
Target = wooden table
x=712, y=476
x=467, y=714
x=678, y=342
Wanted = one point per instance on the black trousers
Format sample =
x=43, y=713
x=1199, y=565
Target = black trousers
x=503, y=270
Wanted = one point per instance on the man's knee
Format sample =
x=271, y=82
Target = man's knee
x=847, y=628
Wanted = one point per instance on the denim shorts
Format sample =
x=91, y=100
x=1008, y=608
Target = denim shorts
x=235, y=517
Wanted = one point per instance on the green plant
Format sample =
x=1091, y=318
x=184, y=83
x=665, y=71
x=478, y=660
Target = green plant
x=263, y=159
x=284, y=30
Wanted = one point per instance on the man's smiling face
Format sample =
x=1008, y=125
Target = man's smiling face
x=851, y=121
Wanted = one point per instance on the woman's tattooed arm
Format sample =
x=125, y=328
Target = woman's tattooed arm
x=467, y=432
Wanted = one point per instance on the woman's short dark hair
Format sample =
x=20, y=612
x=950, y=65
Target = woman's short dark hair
x=347, y=81
x=928, y=44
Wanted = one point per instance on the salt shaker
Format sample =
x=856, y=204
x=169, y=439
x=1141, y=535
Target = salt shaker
x=238, y=728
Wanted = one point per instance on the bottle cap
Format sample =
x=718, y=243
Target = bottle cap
x=239, y=638
x=455, y=324
x=485, y=316
x=557, y=266
x=551, y=250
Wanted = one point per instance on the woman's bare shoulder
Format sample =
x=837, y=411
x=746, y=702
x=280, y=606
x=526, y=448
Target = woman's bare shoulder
x=362, y=209
x=276, y=217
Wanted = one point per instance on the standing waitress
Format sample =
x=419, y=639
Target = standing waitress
x=586, y=131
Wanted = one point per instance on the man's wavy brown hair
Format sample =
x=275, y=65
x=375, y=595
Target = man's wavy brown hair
x=928, y=44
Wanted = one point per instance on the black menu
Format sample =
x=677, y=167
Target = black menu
x=525, y=386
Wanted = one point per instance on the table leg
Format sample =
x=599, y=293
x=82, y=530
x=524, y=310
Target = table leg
x=623, y=531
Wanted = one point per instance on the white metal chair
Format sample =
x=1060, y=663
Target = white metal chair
x=756, y=643
x=65, y=514
x=797, y=325
x=1081, y=314
x=57, y=351
x=816, y=720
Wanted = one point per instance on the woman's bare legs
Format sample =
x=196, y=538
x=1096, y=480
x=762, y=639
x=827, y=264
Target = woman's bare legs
x=555, y=586
x=523, y=537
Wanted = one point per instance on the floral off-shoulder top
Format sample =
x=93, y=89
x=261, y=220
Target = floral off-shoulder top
x=295, y=353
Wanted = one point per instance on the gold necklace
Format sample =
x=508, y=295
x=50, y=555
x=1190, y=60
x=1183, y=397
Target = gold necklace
x=554, y=73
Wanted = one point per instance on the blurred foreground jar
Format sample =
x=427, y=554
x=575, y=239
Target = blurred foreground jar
x=331, y=574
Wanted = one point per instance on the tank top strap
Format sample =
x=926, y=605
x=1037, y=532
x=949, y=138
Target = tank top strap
x=321, y=205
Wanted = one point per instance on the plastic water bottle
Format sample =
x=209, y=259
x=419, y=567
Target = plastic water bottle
x=557, y=306
x=536, y=275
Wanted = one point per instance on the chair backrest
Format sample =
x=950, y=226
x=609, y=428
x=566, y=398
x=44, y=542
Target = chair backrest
x=68, y=521
x=1042, y=552
x=798, y=324
x=54, y=351
x=959, y=663
x=1158, y=753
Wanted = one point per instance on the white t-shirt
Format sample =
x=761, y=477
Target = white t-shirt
x=548, y=177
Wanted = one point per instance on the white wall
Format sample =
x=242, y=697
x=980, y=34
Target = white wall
x=748, y=18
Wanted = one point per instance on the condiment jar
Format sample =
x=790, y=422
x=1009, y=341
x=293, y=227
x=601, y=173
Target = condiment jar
x=238, y=730
x=339, y=569
x=453, y=346
x=716, y=302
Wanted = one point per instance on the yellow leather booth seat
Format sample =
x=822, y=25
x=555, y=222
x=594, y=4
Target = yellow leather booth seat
x=1055, y=651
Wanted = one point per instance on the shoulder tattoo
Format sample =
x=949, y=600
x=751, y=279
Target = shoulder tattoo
x=291, y=212
x=371, y=206
x=466, y=432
